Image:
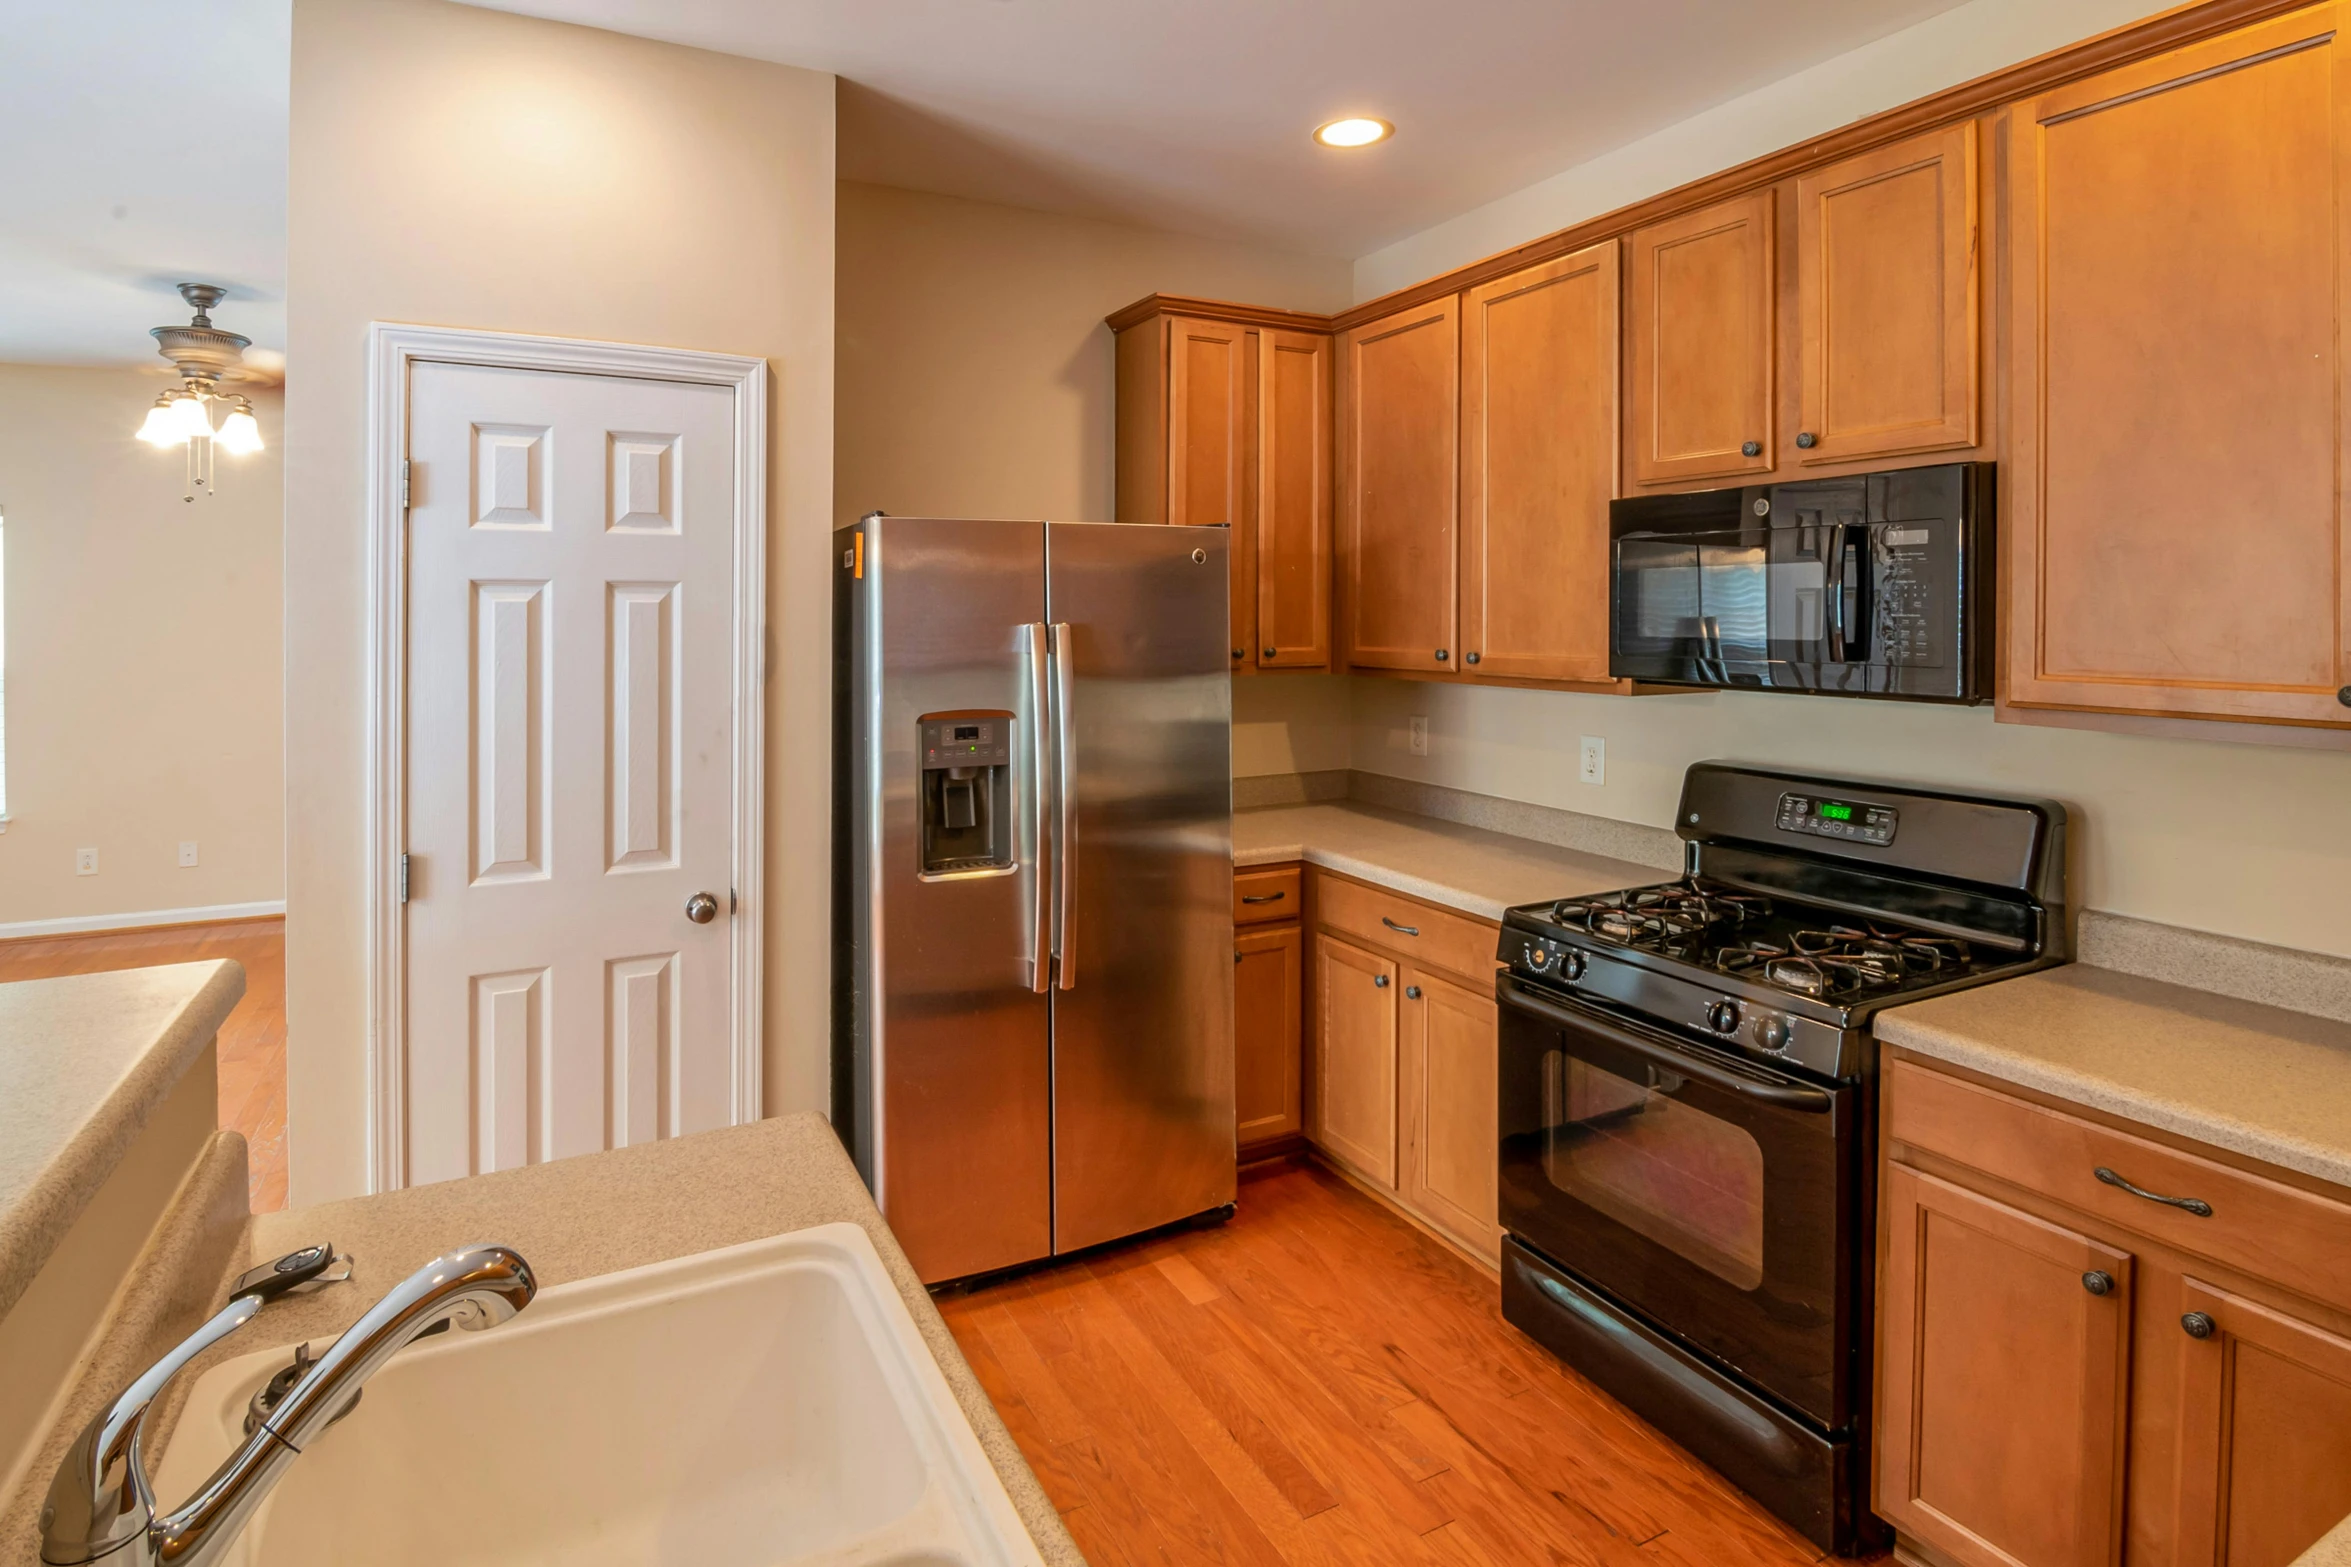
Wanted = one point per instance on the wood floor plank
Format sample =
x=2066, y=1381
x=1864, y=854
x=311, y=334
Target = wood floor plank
x=1318, y=1384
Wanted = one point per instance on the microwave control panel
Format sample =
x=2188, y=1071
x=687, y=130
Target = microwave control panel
x=1852, y=820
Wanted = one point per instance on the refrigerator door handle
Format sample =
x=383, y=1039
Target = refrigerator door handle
x=1065, y=847
x=1040, y=771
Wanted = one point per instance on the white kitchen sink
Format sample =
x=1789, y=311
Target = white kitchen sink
x=764, y=1404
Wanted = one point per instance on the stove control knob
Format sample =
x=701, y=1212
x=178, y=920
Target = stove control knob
x=1571, y=964
x=1772, y=1033
x=1723, y=1017
x=1539, y=957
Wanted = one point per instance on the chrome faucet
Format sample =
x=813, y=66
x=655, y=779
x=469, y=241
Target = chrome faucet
x=101, y=1501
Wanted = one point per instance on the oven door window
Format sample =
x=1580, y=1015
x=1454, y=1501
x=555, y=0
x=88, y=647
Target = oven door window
x=1692, y=1182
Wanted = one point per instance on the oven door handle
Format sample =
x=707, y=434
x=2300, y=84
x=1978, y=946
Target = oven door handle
x=1784, y=1096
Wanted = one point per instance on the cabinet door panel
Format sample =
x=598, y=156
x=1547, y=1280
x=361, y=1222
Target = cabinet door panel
x=2174, y=513
x=1293, y=608
x=1266, y=996
x=2264, y=1432
x=1702, y=342
x=1355, y=1056
x=1399, y=402
x=1451, y=1164
x=1539, y=445
x=1886, y=274
x=2002, y=1380
x=1205, y=430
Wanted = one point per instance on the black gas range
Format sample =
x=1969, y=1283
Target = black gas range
x=1688, y=1103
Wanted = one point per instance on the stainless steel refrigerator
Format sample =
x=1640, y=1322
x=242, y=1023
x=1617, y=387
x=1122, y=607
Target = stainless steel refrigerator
x=1033, y=939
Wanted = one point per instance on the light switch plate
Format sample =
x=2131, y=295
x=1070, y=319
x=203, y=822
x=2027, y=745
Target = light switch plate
x=188, y=853
x=1591, y=759
x=1418, y=730
x=85, y=862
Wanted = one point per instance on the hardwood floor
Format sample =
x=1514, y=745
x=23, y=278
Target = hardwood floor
x=1318, y=1382
x=252, y=1041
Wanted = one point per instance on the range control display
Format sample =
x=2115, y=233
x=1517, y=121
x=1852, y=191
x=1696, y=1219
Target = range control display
x=1851, y=819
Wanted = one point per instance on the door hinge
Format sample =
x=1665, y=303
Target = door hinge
x=404, y=484
x=403, y=878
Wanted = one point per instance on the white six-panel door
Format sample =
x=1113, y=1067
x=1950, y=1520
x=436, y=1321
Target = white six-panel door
x=570, y=734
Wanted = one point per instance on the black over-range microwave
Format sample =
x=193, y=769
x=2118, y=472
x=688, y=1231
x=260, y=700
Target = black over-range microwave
x=1874, y=584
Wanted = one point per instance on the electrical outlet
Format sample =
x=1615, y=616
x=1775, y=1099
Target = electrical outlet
x=1592, y=759
x=1419, y=732
x=85, y=862
x=188, y=853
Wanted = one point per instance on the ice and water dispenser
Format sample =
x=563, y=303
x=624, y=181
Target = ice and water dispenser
x=966, y=799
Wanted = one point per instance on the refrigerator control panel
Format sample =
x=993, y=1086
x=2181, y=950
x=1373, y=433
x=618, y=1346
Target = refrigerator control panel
x=966, y=742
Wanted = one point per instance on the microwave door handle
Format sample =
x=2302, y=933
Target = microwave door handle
x=1856, y=538
x=1065, y=779
x=1040, y=775
x=1782, y=1096
x=1836, y=592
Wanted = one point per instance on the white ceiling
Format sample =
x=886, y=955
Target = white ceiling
x=144, y=145
x=1194, y=114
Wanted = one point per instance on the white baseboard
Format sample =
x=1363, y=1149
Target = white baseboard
x=82, y=924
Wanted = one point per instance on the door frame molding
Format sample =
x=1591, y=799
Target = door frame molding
x=393, y=350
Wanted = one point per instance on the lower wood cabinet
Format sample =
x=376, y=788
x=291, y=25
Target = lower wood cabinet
x=1267, y=1000
x=2069, y=1375
x=1404, y=1054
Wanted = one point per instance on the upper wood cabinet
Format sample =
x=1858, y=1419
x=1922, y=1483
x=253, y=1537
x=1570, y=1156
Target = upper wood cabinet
x=2174, y=531
x=1700, y=340
x=1227, y=423
x=1292, y=544
x=2003, y=1377
x=1886, y=281
x=1399, y=400
x=1538, y=466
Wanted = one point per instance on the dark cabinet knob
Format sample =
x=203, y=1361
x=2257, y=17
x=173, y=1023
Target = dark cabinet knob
x=1469, y=658
x=1412, y=992
x=1268, y=653
x=2098, y=1283
x=1240, y=652
x=1441, y=655
x=1379, y=981
x=2344, y=696
x=2198, y=1325
x=1806, y=439
x=1751, y=449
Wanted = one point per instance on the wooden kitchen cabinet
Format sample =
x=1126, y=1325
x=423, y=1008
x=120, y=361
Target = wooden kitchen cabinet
x=2003, y=1379
x=1267, y=1001
x=1290, y=548
x=1700, y=341
x=2264, y=1428
x=2193, y=1409
x=1207, y=425
x=1399, y=406
x=1355, y=995
x=1448, y=1048
x=2173, y=526
x=1887, y=290
x=1538, y=467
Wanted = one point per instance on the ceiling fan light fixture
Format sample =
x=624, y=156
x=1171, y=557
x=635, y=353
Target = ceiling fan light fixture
x=161, y=429
x=1354, y=130
x=240, y=432
x=189, y=422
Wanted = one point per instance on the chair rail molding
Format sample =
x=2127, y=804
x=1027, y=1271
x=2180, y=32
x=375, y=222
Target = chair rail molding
x=393, y=348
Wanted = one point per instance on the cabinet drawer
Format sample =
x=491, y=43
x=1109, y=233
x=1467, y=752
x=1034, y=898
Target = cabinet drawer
x=2270, y=1230
x=1428, y=935
x=1262, y=896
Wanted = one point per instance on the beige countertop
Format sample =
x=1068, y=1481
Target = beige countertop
x=84, y=1061
x=601, y=1213
x=2258, y=1080
x=1465, y=868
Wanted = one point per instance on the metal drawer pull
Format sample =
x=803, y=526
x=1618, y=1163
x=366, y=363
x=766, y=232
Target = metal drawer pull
x=1402, y=930
x=2195, y=1205
x=1263, y=897
x=2098, y=1283
x=2198, y=1325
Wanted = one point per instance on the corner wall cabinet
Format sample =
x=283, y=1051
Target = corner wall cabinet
x=1227, y=423
x=2074, y=1374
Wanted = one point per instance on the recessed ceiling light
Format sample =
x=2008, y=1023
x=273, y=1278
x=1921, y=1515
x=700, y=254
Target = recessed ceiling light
x=1356, y=130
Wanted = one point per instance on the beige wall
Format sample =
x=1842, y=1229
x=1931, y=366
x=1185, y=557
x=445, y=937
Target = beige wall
x=462, y=167
x=143, y=660
x=975, y=371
